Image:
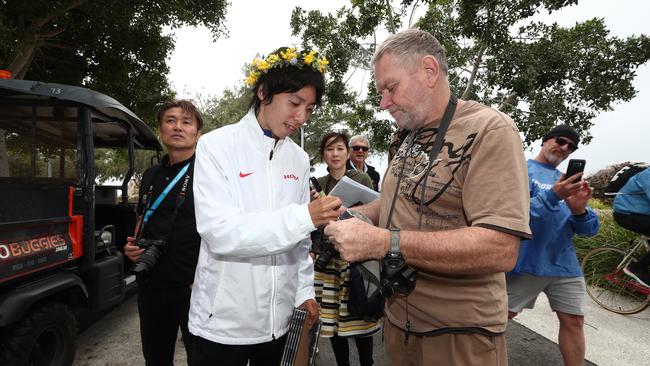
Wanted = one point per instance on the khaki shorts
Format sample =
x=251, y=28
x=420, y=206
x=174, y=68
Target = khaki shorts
x=451, y=349
x=565, y=294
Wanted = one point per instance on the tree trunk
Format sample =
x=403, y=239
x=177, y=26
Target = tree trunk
x=477, y=65
x=23, y=55
x=391, y=21
x=22, y=58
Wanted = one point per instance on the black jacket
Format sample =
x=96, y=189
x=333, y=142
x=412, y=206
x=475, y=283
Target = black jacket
x=374, y=175
x=177, y=263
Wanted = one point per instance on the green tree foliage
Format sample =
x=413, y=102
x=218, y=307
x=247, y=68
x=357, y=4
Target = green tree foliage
x=229, y=108
x=498, y=54
x=116, y=47
x=112, y=164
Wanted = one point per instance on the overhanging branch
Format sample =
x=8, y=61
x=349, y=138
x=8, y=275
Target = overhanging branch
x=475, y=68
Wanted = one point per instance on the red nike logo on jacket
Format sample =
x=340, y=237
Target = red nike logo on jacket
x=244, y=175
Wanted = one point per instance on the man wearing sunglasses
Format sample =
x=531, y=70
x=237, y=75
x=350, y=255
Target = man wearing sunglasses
x=548, y=262
x=359, y=146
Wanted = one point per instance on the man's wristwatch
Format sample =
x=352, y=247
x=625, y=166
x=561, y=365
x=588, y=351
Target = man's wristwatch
x=394, y=250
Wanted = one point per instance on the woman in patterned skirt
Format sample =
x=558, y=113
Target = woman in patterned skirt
x=332, y=282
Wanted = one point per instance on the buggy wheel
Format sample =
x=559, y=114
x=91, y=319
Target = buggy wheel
x=608, y=286
x=45, y=337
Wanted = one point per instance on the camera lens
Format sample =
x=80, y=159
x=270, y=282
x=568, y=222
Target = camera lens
x=321, y=261
x=148, y=259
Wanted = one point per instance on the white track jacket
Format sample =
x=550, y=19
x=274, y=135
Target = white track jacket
x=250, y=197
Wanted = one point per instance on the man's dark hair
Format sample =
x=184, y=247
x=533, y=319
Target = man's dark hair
x=185, y=105
x=287, y=79
x=334, y=137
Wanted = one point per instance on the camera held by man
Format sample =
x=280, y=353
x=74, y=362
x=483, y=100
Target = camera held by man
x=148, y=259
x=394, y=276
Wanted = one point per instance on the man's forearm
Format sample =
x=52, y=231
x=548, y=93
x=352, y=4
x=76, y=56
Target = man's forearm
x=472, y=250
x=371, y=210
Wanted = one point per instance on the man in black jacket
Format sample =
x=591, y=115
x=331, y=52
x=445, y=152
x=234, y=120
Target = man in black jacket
x=166, y=209
x=359, y=147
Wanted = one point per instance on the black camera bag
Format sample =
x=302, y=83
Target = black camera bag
x=366, y=300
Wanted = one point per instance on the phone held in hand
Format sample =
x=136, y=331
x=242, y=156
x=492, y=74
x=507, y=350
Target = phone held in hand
x=575, y=166
x=315, y=185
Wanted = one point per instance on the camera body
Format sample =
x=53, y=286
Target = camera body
x=153, y=248
x=326, y=252
x=395, y=275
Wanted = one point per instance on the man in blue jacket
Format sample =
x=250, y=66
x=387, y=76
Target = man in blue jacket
x=548, y=262
x=632, y=211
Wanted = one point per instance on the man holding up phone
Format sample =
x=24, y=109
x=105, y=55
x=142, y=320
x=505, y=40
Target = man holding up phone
x=548, y=262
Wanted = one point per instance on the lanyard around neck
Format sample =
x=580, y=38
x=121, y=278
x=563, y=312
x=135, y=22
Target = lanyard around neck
x=154, y=206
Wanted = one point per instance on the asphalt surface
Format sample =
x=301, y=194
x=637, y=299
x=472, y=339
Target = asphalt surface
x=114, y=340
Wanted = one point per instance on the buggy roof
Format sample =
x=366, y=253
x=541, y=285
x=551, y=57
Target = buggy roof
x=103, y=109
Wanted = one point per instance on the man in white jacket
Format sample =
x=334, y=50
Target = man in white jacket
x=251, y=194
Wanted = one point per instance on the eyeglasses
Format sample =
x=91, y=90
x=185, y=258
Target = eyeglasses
x=360, y=148
x=562, y=141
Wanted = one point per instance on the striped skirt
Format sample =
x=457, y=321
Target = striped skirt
x=332, y=289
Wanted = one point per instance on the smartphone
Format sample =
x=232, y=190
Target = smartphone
x=315, y=185
x=575, y=166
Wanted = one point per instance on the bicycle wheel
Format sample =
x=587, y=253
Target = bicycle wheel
x=608, y=286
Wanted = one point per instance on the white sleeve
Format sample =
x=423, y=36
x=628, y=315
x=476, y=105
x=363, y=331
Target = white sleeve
x=306, y=270
x=227, y=230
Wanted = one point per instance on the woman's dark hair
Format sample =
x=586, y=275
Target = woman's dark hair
x=287, y=79
x=334, y=137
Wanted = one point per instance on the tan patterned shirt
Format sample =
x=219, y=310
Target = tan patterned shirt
x=478, y=179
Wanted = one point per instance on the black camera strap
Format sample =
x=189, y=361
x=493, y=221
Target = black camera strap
x=435, y=150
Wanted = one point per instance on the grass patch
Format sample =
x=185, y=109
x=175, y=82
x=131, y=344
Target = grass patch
x=598, y=204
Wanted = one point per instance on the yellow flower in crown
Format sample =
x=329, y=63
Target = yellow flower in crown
x=283, y=57
x=261, y=65
x=273, y=59
x=320, y=64
x=309, y=58
x=252, y=77
x=290, y=55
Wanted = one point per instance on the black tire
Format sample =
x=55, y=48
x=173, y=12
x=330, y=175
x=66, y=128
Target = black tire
x=45, y=337
x=608, y=286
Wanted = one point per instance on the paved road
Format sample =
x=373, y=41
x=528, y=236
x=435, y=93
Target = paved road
x=114, y=340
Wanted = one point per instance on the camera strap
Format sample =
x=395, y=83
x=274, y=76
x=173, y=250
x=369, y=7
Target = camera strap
x=435, y=150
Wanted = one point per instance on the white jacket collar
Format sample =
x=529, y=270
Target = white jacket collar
x=253, y=128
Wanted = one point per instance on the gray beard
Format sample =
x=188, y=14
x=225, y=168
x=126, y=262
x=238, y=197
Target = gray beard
x=552, y=158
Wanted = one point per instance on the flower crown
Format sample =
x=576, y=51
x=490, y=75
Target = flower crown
x=285, y=57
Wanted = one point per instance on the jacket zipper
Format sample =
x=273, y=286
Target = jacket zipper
x=273, y=259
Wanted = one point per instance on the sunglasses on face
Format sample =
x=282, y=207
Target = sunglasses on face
x=360, y=148
x=560, y=141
